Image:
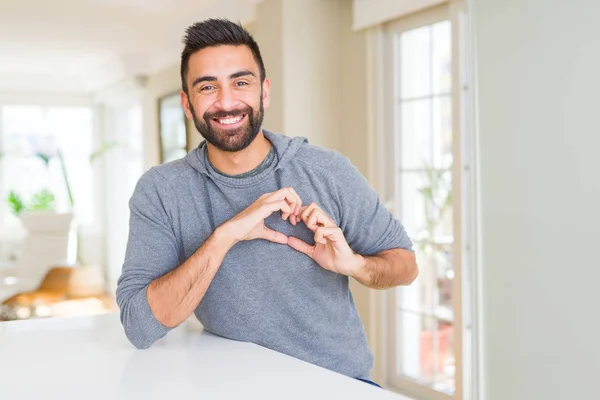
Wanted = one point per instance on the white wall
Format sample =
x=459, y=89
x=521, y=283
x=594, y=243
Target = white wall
x=268, y=34
x=299, y=42
x=312, y=70
x=538, y=64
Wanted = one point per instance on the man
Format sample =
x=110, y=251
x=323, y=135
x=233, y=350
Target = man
x=255, y=233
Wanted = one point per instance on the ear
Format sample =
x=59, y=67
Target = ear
x=185, y=103
x=266, y=87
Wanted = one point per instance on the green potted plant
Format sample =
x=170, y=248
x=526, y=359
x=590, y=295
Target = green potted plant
x=49, y=232
x=44, y=200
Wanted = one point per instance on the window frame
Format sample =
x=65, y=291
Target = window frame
x=454, y=11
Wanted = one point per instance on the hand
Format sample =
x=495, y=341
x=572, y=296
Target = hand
x=250, y=223
x=331, y=251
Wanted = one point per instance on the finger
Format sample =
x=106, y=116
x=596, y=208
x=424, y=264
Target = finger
x=281, y=205
x=268, y=199
x=315, y=219
x=292, y=216
x=284, y=193
x=288, y=199
x=301, y=246
x=298, y=200
x=314, y=216
x=274, y=236
x=307, y=210
x=311, y=208
x=296, y=205
x=297, y=212
x=287, y=193
x=322, y=234
x=319, y=237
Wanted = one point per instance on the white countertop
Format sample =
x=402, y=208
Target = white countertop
x=90, y=358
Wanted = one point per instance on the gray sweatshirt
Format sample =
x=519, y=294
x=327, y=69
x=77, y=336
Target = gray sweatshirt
x=264, y=293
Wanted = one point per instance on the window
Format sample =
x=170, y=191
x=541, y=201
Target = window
x=172, y=128
x=427, y=318
x=29, y=130
x=123, y=123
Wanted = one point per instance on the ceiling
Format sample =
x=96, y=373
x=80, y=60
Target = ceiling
x=81, y=46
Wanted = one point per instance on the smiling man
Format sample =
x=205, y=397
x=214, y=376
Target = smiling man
x=255, y=233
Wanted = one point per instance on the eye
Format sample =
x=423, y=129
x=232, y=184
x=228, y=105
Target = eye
x=206, y=88
x=241, y=83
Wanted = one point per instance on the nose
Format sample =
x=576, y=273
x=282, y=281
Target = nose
x=226, y=100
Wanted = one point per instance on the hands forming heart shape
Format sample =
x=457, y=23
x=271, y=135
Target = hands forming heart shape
x=331, y=250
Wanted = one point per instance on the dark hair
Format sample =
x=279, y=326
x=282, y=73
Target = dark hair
x=216, y=32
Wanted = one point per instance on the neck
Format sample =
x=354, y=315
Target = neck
x=239, y=162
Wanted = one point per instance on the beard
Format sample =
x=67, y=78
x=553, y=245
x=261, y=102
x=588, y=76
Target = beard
x=230, y=140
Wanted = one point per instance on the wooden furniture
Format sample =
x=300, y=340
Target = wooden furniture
x=64, y=291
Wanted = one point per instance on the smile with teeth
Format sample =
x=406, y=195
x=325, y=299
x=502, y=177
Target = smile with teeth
x=230, y=120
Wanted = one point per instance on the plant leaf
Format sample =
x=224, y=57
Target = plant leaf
x=63, y=168
x=103, y=149
x=44, y=157
x=15, y=203
x=42, y=201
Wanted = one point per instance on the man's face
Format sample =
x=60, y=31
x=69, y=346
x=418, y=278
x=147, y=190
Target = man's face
x=226, y=97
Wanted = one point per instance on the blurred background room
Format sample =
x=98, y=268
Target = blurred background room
x=475, y=120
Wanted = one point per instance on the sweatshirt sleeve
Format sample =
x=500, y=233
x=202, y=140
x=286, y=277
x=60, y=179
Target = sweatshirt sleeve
x=151, y=253
x=367, y=224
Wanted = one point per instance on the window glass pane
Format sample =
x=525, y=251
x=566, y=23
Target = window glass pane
x=426, y=204
x=441, y=57
x=443, y=362
x=412, y=207
x=409, y=327
x=28, y=131
x=442, y=131
x=415, y=133
x=435, y=194
x=431, y=292
x=23, y=130
x=72, y=128
x=22, y=120
x=444, y=229
x=417, y=297
x=440, y=256
x=427, y=216
x=414, y=53
x=424, y=310
x=426, y=351
x=173, y=135
x=415, y=354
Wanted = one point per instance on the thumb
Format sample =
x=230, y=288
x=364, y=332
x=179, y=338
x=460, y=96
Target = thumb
x=274, y=236
x=301, y=246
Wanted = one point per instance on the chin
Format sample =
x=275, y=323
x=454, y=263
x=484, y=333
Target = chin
x=234, y=143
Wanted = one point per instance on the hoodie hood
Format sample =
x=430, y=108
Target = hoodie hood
x=285, y=147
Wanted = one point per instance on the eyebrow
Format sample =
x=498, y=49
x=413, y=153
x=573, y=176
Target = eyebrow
x=208, y=78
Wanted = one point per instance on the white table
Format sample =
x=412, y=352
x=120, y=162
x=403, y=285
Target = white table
x=90, y=358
